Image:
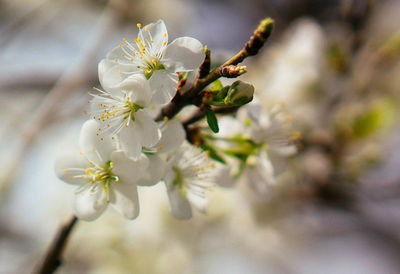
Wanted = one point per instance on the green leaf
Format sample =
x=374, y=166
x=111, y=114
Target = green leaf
x=212, y=152
x=217, y=85
x=212, y=120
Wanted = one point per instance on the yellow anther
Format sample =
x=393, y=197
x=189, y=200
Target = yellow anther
x=139, y=39
x=139, y=25
x=85, y=112
x=80, y=153
x=146, y=28
x=113, y=137
x=151, y=41
x=124, y=38
x=152, y=107
x=117, y=180
x=153, y=61
x=122, y=55
x=165, y=34
x=164, y=43
x=101, y=139
x=65, y=170
x=160, y=148
x=165, y=118
x=131, y=59
x=94, y=149
x=111, y=164
x=116, y=60
x=120, y=45
x=87, y=171
x=119, y=71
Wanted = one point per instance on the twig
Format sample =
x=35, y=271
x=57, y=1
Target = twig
x=251, y=48
x=52, y=260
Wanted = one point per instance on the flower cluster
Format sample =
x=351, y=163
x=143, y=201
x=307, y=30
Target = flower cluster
x=121, y=146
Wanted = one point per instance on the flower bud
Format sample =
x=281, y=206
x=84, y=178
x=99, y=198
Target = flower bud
x=239, y=93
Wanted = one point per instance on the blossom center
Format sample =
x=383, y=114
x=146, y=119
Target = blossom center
x=102, y=175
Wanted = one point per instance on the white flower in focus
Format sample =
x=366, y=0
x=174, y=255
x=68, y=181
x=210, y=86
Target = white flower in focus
x=152, y=56
x=188, y=176
x=104, y=175
x=125, y=113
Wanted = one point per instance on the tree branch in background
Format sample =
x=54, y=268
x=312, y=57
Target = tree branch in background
x=52, y=260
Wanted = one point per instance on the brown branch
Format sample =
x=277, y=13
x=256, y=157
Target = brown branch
x=251, y=48
x=52, y=260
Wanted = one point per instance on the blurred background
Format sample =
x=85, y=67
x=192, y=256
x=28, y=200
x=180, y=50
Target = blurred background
x=335, y=64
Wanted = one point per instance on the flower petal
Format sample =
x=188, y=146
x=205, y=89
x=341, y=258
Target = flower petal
x=130, y=141
x=139, y=88
x=126, y=200
x=224, y=176
x=111, y=74
x=94, y=145
x=90, y=203
x=261, y=177
x=183, y=54
x=179, y=205
x=156, y=32
x=70, y=164
x=148, y=129
x=172, y=137
x=128, y=170
x=164, y=85
x=154, y=171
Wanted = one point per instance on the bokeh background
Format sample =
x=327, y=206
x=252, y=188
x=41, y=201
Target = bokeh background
x=334, y=64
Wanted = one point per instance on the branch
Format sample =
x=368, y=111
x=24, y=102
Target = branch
x=251, y=48
x=52, y=259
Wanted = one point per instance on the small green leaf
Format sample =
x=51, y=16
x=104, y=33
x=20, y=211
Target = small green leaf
x=217, y=85
x=212, y=120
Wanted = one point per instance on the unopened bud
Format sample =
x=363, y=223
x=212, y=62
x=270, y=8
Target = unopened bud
x=239, y=93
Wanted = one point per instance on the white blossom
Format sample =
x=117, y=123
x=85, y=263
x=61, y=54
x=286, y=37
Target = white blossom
x=151, y=55
x=188, y=176
x=125, y=113
x=261, y=141
x=103, y=174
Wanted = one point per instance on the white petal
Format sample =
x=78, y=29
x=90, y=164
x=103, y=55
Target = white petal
x=224, y=176
x=139, y=88
x=90, y=204
x=172, y=137
x=154, y=172
x=179, y=205
x=164, y=85
x=197, y=201
x=148, y=129
x=130, y=141
x=158, y=33
x=183, y=54
x=70, y=164
x=118, y=54
x=97, y=148
x=126, y=200
x=111, y=74
x=261, y=177
x=128, y=170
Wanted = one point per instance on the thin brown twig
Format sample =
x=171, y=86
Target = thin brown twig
x=256, y=41
x=52, y=259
